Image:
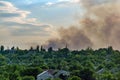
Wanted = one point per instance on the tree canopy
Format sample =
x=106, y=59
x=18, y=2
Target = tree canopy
x=87, y=64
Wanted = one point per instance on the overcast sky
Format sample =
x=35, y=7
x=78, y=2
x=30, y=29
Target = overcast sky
x=31, y=22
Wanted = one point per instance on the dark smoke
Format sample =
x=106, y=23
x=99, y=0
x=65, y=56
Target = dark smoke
x=73, y=37
x=100, y=27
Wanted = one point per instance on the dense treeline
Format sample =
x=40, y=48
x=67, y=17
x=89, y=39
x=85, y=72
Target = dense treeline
x=88, y=64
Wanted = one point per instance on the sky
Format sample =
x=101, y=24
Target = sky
x=25, y=23
x=55, y=23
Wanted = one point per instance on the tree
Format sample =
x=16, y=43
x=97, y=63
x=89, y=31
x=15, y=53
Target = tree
x=110, y=50
x=75, y=78
x=13, y=48
x=31, y=72
x=57, y=79
x=2, y=60
x=63, y=77
x=108, y=76
x=42, y=49
x=75, y=72
x=28, y=78
x=87, y=74
x=65, y=50
x=31, y=48
x=14, y=76
x=37, y=48
x=50, y=49
x=17, y=49
x=2, y=48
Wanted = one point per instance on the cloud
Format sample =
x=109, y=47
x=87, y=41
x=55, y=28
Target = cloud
x=18, y=22
x=62, y=3
x=6, y=4
x=6, y=15
x=17, y=28
x=70, y=1
x=49, y=3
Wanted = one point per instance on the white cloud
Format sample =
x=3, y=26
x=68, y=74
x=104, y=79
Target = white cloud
x=12, y=16
x=16, y=26
x=6, y=4
x=62, y=3
x=71, y=1
x=49, y=3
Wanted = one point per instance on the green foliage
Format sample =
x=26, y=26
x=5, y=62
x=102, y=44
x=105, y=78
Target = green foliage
x=57, y=79
x=75, y=78
x=2, y=60
x=50, y=49
x=87, y=74
x=31, y=71
x=13, y=76
x=28, y=78
x=88, y=64
x=108, y=76
x=2, y=48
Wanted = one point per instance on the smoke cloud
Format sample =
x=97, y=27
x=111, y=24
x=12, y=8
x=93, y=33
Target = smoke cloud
x=99, y=27
x=73, y=37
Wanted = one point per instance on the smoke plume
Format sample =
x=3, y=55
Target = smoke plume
x=73, y=37
x=99, y=27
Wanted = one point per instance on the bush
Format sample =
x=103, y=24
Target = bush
x=31, y=72
x=75, y=78
x=28, y=78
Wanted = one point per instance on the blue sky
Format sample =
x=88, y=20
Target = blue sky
x=35, y=21
x=64, y=15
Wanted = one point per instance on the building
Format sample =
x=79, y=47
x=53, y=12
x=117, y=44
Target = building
x=45, y=75
x=50, y=74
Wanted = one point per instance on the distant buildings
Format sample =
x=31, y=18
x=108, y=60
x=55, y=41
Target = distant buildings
x=50, y=74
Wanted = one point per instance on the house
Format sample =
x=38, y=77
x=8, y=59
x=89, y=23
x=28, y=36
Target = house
x=50, y=74
x=45, y=75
